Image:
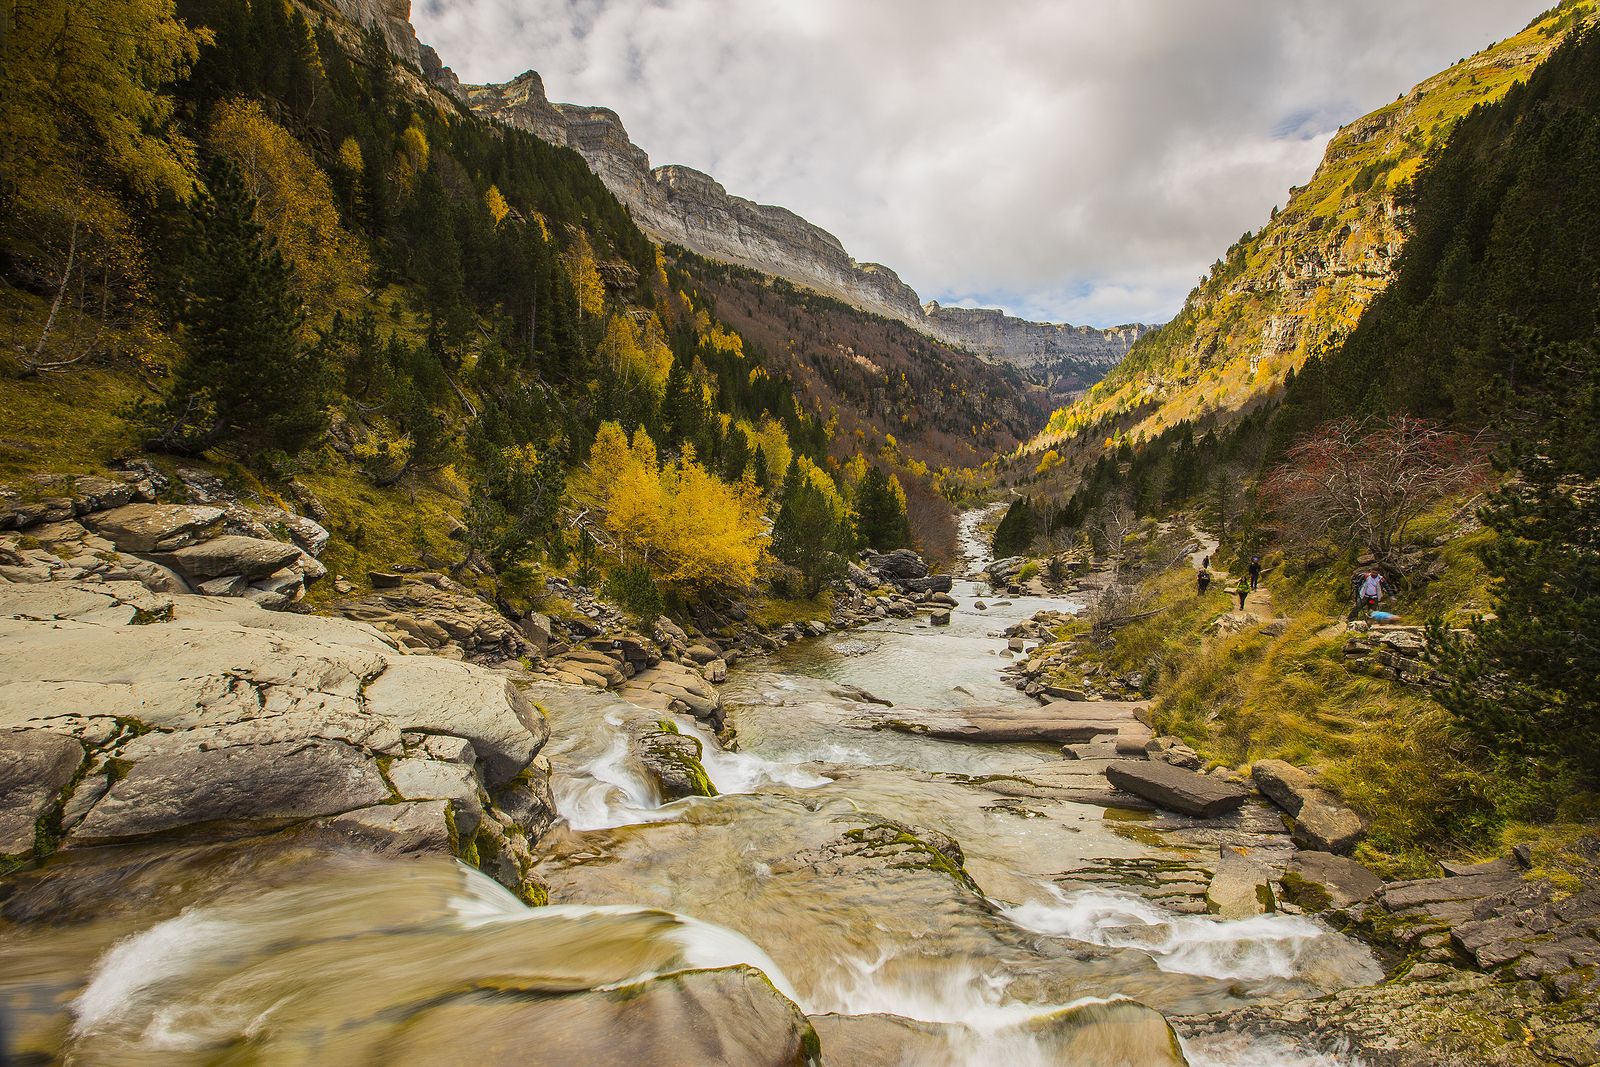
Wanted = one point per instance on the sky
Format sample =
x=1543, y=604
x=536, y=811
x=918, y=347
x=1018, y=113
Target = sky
x=1074, y=161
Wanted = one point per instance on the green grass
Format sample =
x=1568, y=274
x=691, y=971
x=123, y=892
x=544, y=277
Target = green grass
x=65, y=423
x=374, y=529
x=769, y=613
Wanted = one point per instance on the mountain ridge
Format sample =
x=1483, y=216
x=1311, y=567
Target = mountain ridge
x=687, y=207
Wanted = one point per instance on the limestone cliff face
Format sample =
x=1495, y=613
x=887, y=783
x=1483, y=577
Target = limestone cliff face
x=1031, y=344
x=391, y=18
x=689, y=208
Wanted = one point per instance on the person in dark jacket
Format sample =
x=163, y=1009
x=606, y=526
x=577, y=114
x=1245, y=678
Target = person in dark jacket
x=1255, y=571
x=1202, y=581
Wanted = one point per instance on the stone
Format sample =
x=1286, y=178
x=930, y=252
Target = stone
x=35, y=766
x=731, y=1015
x=1119, y=1033
x=527, y=800
x=536, y=628
x=1176, y=789
x=228, y=585
x=1318, y=881
x=152, y=576
x=1327, y=827
x=1322, y=823
x=939, y=618
x=1241, y=886
x=437, y=696
x=902, y=563
x=253, y=557
x=933, y=583
x=154, y=527
x=265, y=785
x=417, y=828
x=672, y=760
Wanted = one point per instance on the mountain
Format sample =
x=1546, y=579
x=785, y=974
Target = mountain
x=682, y=206
x=1305, y=278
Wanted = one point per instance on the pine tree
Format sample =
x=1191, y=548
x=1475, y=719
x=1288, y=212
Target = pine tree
x=808, y=534
x=248, y=375
x=1527, y=682
x=881, y=512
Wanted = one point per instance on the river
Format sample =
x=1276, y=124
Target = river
x=810, y=865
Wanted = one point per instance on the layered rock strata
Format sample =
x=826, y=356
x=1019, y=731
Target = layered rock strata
x=686, y=207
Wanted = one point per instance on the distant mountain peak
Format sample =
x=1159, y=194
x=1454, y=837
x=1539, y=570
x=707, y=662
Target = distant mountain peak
x=683, y=206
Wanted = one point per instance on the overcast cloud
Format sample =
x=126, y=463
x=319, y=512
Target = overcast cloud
x=1068, y=160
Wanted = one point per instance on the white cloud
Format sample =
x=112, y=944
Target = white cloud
x=1067, y=159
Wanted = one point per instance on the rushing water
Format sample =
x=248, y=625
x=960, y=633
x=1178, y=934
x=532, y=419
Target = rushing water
x=799, y=868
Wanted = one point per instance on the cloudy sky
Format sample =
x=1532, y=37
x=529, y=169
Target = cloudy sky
x=1067, y=160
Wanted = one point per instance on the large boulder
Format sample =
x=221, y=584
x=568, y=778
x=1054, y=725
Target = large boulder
x=672, y=760
x=900, y=564
x=35, y=766
x=441, y=696
x=181, y=783
x=253, y=557
x=155, y=527
x=1176, y=789
x=688, y=1019
x=1322, y=823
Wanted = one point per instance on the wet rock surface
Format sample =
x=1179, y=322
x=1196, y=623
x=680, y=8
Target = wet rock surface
x=131, y=717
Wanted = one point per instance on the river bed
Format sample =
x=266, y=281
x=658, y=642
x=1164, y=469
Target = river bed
x=832, y=861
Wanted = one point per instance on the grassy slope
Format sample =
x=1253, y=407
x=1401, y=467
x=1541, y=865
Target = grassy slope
x=1238, y=697
x=1262, y=303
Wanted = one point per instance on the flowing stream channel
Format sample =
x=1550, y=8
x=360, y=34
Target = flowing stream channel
x=809, y=865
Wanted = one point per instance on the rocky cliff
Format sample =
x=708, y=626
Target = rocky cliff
x=686, y=207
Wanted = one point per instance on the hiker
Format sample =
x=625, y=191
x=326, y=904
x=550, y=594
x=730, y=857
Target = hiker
x=1202, y=582
x=1255, y=571
x=1371, y=587
x=1243, y=590
x=1205, y=564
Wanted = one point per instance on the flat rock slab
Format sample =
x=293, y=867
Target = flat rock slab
x=154, y=527
x=1241, y=886
x=252, y=557
x=1064, y=722
x=1177, y=789
x=257, y=784
x=1317, y=881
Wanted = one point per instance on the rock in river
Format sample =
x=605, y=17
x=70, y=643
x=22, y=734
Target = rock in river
x=1176, y=789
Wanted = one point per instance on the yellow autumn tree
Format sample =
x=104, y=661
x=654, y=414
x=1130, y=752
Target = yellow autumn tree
x=88, y=138
x=410, y=160
x=691, y=529
x=583, y=270
x=294, y=204
x=495, y=201
x=640, y=359
x=773, y=440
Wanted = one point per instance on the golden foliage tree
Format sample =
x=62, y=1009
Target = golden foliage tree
x=584, y=272
x=691, y=529
x=641, y=359
x=294, y=204
x=87, y=130
x=495, y=201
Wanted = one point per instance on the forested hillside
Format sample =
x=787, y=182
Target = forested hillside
x=241, y=235
x=1452, y=441
x=1302, y=281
